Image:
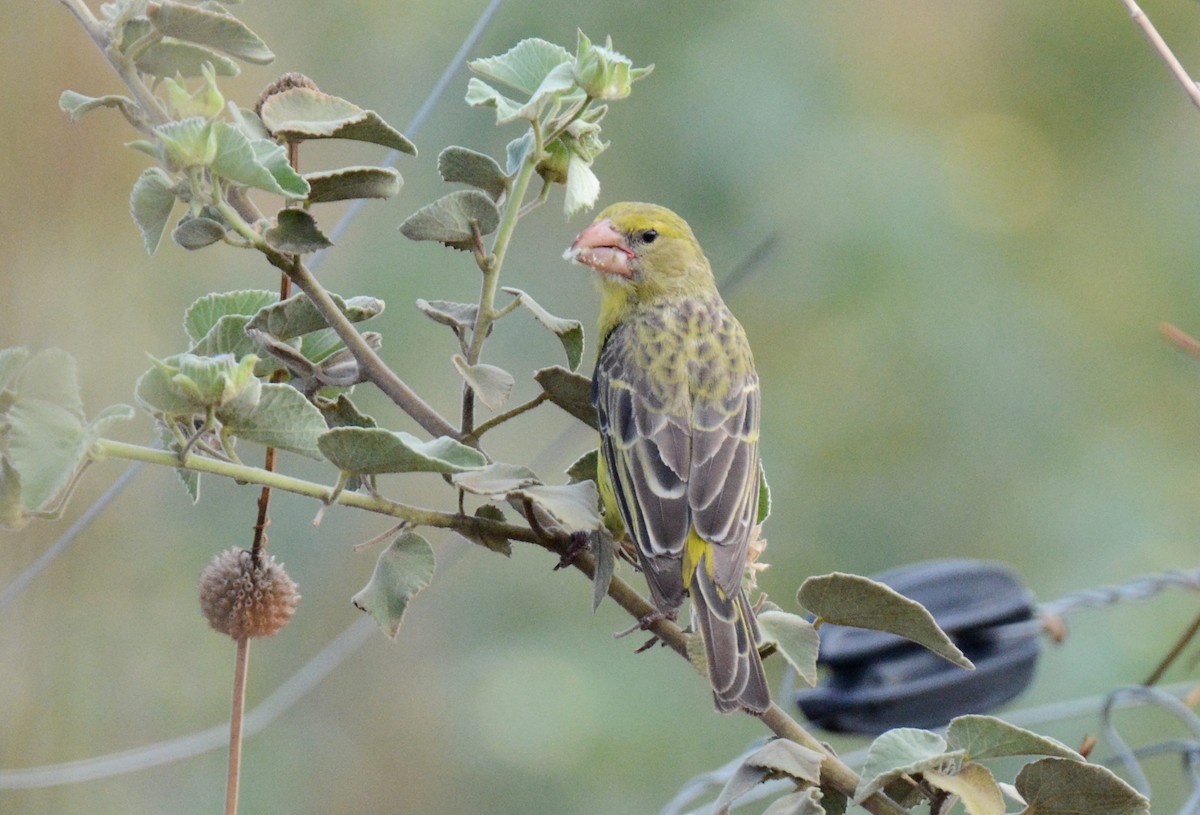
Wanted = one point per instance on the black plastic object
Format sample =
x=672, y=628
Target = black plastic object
x=875, y=681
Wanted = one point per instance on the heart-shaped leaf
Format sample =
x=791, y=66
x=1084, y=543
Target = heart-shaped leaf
x=459, y=316
x=905, y=750
x=296, y=232
x=151, y=203
x=1061, y=786
x=453, y=219
x=492, y=385
x=298, y=114
x=197, y=232
x=203, y=314
x=569, y=332
x=458, y=164
x=297, y=315
x=212, y=29
x=403, y=569
x=283, y=418
x=796, y=639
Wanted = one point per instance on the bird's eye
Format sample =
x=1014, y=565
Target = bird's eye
x=649, y=235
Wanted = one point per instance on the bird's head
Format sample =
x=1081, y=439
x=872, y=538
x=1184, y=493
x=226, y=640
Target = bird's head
x=642, y=251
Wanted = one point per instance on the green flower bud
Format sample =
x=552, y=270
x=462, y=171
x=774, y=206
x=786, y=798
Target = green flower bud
x=207, y=101
x=187, y=143
x=603, y=73
x=213, y=382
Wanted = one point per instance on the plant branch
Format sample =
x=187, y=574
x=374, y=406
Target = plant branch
x=1164, y=51
x=236, y=719
x=504, y=417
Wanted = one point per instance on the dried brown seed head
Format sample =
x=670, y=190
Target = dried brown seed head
x=241, y=599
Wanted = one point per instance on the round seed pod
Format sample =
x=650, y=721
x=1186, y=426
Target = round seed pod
x=294, y=79
x=241, y=599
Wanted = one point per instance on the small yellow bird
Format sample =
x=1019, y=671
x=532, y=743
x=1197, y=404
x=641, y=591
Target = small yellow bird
x=677, y=397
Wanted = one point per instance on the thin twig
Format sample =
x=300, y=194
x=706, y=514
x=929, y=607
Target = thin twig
x=236, y=718
x=504, y=417
x=1160, y=45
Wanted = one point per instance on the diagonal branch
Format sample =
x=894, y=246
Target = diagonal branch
x=1160, y=45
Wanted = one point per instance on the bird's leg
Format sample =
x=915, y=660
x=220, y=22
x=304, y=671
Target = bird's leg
x=578, y=544
x=644, y=624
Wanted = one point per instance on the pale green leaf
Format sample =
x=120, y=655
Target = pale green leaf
x=203, y=314
x=495, y=543
x=459, y=316
x=764, y=495
x=495, y=479
x=604, y=549
x=229, y=336
x=453, y=219
x=12, y=360
x=585, y=468
x=352, y=182
x=846, y=599
x=370, y=451
x=905, y=750
x=298, y=114
x=777, y=757
x=197, y=233
x=573, y=507
x=805, y=802
x=248, y=122
x=77, y=105
x=170, y=57
x=583, y=187
x=460, y=165
x=259, y=163
x=190, y=479
x=297, y=315
x=982, y=737
x=525, y=66
x=296, y=232
x=403, y=569
x=150, y=204
x=795, y=638
x=185, y=143
x=1061, y=786
x=570, y=391
x=492, y=385
x=974, y=785
x=517, y=151
x=283, y=418
x=51, y=375
x=12, y=512
x=46, y=445
x=222, y=32
x=569, y=332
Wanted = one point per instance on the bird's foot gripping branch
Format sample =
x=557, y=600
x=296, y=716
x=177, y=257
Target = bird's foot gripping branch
x=279, y=368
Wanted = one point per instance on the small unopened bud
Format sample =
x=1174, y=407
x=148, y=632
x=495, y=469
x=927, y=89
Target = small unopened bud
x=284, y=83
x=241, y=599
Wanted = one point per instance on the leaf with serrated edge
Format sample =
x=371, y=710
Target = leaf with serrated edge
x=296, y=316
x=570, y=391
x=223, y=32
x=492, y=385
x=255, y=163
x=197, y=233
x=805, y=802
x=298, y=114
x=351, y=183
x=495, y=479
x=463, y=166
x=51, y=375
x=283, y=418
x=450, y=219
x=460, y=316
x=151, y=203
x=370, y=451
x=796, y=639
x=777, y=756
x=900, y=751
x=988, y=737
x=170, y=56
x=203, y=314
x=1060, y=786
x=852, y=600
x=296, y=232
x=974, y=785
x=569, y=332
x=229, y=336
x=403, y=569
x=524, y=66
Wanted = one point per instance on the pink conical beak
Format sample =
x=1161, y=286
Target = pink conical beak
x=603, y=248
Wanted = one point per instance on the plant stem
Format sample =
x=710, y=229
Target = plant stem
x=236, y=717
x=1160, y=45
x=504, y=417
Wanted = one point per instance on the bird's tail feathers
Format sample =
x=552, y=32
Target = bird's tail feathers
x=730, y=635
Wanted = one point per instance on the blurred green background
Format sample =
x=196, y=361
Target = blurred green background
x=983, y=212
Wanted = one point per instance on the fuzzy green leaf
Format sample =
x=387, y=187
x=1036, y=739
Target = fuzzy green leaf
x=981, y=737
x=12, y=360
x=585, y=468
x=583, y=187
x=283, y=418
x=459, y=316
x=211, y=29
x=352, y=182
x=257, y=163
x=492, y=385
x=495, y=479
x=974, y=785
x=905, y=750
x=525, y=66
x=460, y=165
x=190, y=479
x=776, y=757
x=573, y=507
x=203, y=314
x=604, y=549
x=78, y=105
x=570, y=391
x=170, y=57
x=150, y=204
x=296, y=232
x=341, y=412
x=1060, y=786
x=796, y=639
x=52, y=376
x=298, y=114
x=370, y=451
x=846, y=599
x=297, y=315
x=197, y=233
x=764, y=496
x=229, y=336
x=804, y=802
x=569, y=332
x=403, y=569
x=450, y=219
x=517, y=151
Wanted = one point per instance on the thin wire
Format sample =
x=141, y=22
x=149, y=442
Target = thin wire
x=452, y=67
